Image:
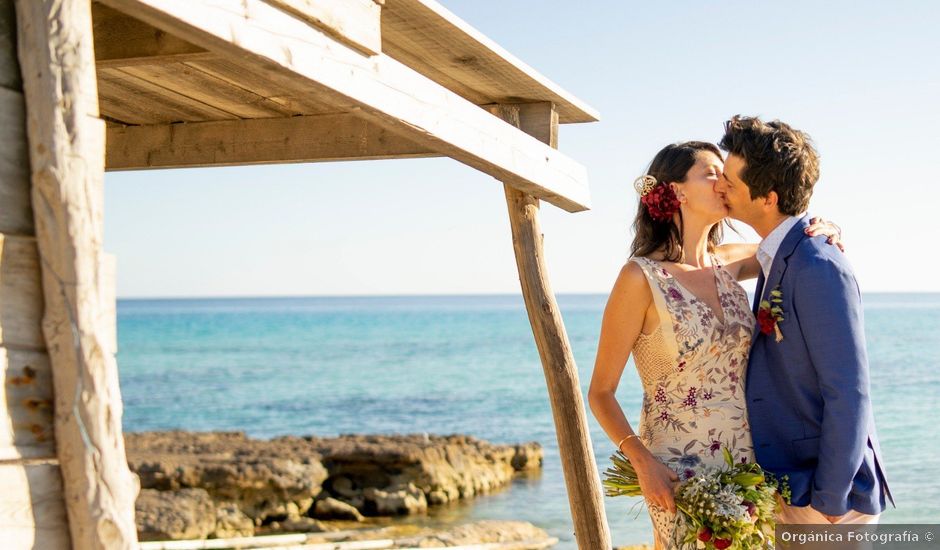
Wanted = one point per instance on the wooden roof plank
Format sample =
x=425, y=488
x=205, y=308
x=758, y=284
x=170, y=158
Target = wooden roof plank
x=386, y=91
x=429, y=38
x=195, y=84
x=153, y=102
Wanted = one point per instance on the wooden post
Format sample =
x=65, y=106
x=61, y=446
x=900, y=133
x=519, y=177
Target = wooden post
x=66, y=153
x=32, y=513
x=561, y=374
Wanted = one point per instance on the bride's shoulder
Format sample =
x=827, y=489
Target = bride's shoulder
x=632, y=268
x=632, y=278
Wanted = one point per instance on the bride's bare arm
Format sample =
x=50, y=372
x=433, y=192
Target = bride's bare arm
x=622, y=323
x=740, y=259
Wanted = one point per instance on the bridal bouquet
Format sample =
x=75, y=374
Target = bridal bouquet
x=718, y=508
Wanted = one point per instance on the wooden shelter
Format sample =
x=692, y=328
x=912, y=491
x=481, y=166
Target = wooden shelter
x=135, y=84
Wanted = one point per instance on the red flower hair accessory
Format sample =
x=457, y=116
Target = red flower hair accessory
x=658, y=197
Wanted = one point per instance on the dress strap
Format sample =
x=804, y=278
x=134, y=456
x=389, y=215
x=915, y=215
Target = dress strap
x=659, y=287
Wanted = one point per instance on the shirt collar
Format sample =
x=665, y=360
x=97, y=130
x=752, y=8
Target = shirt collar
x=771, y=243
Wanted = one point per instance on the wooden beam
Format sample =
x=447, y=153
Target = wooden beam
x=357, y=23
x=122, y=41
x=66, y=154
x=257, y=141
x=32, y=507
x=389, y=93
x=561, y=373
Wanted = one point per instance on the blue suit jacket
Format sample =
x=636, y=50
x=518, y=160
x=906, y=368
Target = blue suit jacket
x=808, y=395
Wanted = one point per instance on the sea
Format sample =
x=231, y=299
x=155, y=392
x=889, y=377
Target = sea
x=467, y=365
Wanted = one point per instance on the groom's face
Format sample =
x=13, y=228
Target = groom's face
x=735, y=192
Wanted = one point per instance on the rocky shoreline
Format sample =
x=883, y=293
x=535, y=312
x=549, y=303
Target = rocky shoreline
x=225, y=484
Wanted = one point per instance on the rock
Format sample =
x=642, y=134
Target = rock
x=230, y=522
x=274, y=483
x=302, y=525
x=443, y=468
x=174, y=515
x=527, y=456
x=330, y=508
x=396, y=502
x=343, y=486
x=264, y=480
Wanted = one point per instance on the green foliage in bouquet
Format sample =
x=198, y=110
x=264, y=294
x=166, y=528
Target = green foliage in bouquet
x=719, y=508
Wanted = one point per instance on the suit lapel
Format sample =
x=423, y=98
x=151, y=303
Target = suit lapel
x=758, y=291
x=794, y=237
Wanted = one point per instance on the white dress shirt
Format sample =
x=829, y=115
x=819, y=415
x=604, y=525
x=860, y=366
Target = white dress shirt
x=771, y=243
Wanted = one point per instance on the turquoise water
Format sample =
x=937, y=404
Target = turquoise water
x=463, y=364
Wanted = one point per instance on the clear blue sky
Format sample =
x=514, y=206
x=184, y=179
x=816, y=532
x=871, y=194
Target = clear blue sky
x=861, y=77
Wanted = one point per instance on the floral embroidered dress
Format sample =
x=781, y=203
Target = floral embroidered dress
x=692, y=368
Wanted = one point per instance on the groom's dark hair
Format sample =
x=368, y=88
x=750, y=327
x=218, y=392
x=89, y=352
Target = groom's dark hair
x=777, y=158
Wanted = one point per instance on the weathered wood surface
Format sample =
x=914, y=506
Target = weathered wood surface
x=209, y=90
x=21, y=300
x=122, y=41
x=387, y=92
x=142, y=101
x=582, y=480
x=26, y=428
x=260, y=141
x=299, y=542
x=21, y=295
x=284, y=90
x=433, y=41
x=107, y=295
x=354, y=22
x=16, y=213
x=66, y=153
x=419, y=33
x=32, y=509
x=9, y=65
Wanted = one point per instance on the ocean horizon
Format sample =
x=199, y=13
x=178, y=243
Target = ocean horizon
x=463, y=363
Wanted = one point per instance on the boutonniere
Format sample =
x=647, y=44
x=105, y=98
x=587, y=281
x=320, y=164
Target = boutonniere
x=770, y=314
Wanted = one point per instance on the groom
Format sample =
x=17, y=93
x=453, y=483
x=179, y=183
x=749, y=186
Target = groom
x=807, y=384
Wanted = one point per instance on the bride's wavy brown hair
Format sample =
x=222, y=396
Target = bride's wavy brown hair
x=670, y=165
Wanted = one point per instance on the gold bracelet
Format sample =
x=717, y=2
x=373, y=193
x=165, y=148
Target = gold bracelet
x=624, y=439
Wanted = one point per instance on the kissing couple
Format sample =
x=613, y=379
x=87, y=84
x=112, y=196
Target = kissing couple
x=783, y=383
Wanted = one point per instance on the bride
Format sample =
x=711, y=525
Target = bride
x=678, y=308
